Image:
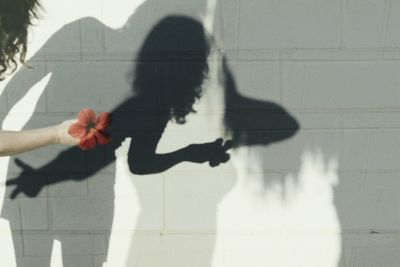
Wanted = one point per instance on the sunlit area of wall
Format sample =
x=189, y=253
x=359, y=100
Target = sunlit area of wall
x=293, y=223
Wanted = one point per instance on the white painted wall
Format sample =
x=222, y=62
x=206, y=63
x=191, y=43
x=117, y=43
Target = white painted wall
x=326, y=197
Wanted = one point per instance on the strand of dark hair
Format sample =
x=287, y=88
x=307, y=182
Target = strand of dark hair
x=15, y=18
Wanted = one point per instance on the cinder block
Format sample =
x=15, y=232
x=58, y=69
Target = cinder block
x=188, y=258
x=171, y=250
x=193, y=9
x=227, y=29
x=350, y=181
x=99, y=260
x=293, y=86
x=393, y=31
x=358, y=85
x=384, y=149
x=92, y=36
x=11, y=212
x=320, y=120
x=289, y=24
x=389, y=240
x=83, y=244
x=364, y=23
x=84, y=261
x=381, y=180
x=18, y=243
x=371, y=257
x=184, y=250
x=151, y=197
x=269, y=55
x=332, y=54
x=357, y=211
x=187, y=243
x=33, y=261
x=391, y=53
x=197, y=212
x=387, y=212
x=69, y=189
x=101, y=86
x=65, y=44
x=101, y=185
x=146, y=243
x=357, y=240
x=34, y=214
x=77, y=245
x=256, y=80
x=31, y=244
x=81, y=213
x=353, y=153
x=371, y=120
x=277, y=156
x=279, y=250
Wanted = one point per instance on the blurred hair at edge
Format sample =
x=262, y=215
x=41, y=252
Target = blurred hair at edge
x=15, y=18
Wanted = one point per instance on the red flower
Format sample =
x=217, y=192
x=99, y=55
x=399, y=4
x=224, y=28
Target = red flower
x=90, y=130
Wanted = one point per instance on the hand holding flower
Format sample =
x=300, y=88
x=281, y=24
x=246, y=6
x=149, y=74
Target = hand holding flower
x=91, y=130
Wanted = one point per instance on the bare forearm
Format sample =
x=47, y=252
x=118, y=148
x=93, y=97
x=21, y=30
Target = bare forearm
x=12, y=143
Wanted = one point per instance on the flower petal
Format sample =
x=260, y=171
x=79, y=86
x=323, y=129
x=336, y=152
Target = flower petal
x=86, y=116
x=77, y=130
x=102, y=137
x=88, y=142
x=103, y=121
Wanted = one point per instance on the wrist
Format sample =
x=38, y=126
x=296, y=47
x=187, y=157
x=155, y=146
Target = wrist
x=55, y=130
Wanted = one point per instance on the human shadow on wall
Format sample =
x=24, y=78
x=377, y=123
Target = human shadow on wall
x=144, y=116
x=170, y=69
x=175, y=51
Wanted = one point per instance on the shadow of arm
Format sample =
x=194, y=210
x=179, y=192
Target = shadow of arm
x=71, y=164
x=143, y=159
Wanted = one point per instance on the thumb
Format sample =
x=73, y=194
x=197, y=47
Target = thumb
x=25, y=167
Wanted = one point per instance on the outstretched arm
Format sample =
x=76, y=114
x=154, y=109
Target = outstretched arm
x=71, y=164
x=142, y=158
x=12, y=143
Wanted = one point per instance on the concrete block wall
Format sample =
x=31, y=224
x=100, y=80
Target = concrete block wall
x=327, y=196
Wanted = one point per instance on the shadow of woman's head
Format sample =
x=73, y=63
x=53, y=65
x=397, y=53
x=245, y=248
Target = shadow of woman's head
x=172, y=65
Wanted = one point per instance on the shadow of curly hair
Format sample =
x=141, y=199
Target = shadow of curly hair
x=15, y=18
x=172, y=65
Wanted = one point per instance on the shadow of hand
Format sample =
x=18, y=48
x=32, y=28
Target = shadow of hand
x=214, y=153
x=29, y=182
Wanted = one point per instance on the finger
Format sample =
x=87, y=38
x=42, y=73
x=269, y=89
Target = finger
x=225, y=158
x=12, y=182
x=213, y=163
x=227, y=145
x=218, y=141
x=15, y=193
